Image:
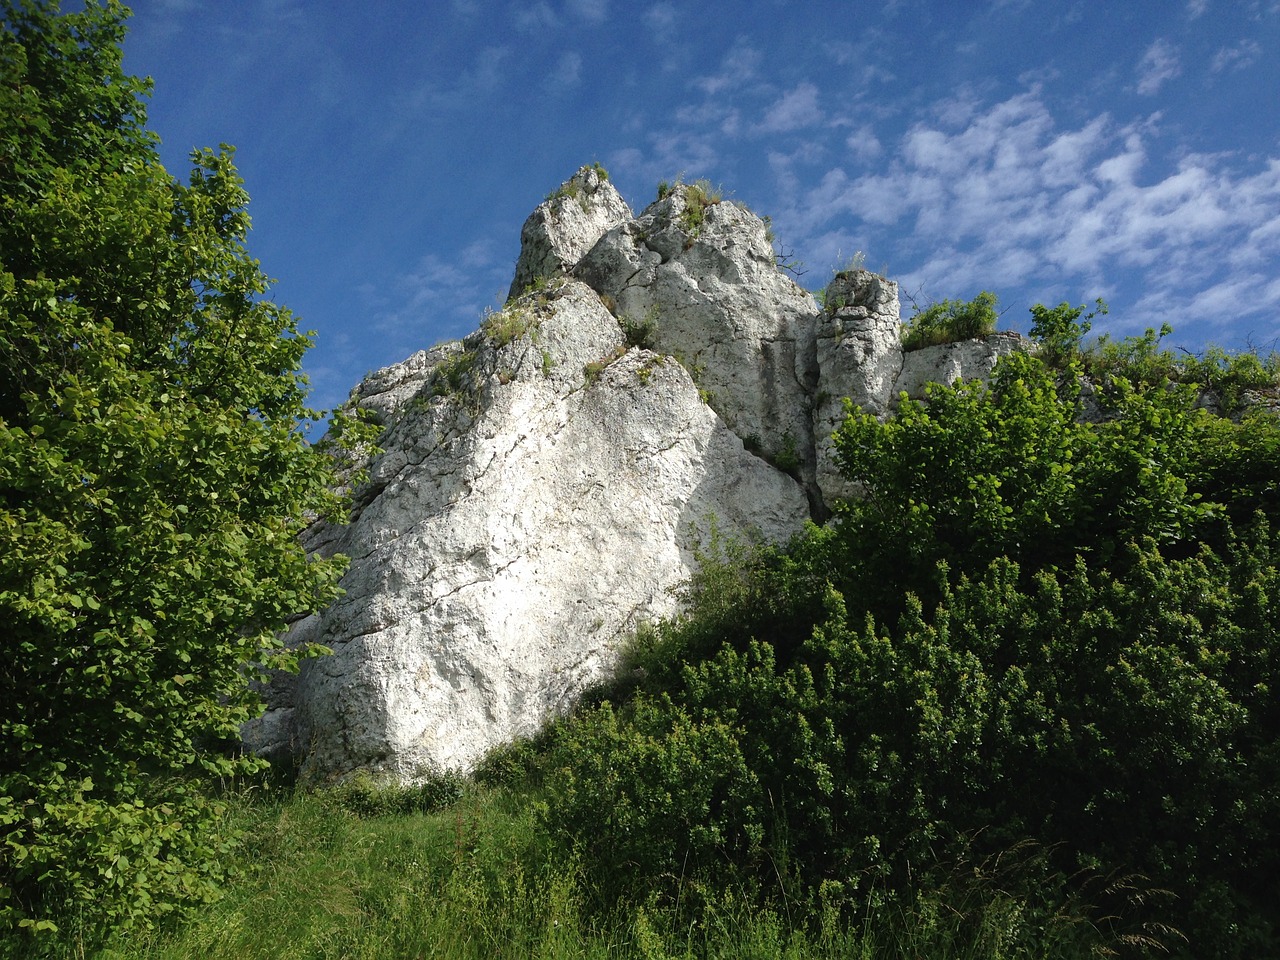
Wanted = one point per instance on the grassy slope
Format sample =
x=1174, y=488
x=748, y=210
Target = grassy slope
x=476, y=879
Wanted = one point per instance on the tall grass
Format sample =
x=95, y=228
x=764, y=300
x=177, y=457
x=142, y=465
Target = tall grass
x=316, y=879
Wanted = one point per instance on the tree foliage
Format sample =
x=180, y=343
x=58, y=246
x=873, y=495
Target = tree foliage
x=1027, y=628
x=153, y=479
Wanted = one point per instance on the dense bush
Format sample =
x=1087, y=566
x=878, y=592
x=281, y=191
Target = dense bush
x=1027, y=629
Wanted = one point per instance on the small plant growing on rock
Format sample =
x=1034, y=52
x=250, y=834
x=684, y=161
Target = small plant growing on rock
x=950, y=321
x=573, y=188
x=645, y=373
x=593, y=369
x=788, y=458
x=639, y=333
x=858, y=261
x=507, y=325
x=698, y=196
x=452, y=375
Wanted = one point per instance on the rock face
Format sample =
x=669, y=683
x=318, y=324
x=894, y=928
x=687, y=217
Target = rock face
x=545, y=483
x=698, y=280
x=566, y=226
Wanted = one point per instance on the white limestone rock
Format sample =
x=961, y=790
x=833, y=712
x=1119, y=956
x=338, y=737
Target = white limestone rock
x=948, y=362
x=539, y=497
x=566, y=225
x=700, y=281
x=543, y=484
x=859, y=352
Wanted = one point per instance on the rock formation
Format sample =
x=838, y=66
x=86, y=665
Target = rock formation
x=546, y=483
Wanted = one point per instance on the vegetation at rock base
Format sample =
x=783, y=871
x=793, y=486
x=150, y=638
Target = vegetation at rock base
x=1029, y=633
x=320, y=877
x=153, y=480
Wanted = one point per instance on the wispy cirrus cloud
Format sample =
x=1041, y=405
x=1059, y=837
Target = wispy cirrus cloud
x=1236, y=57
x=737, y=68
x=567, y=71
x=1159, y=65
x=592, y=11
x=450, y=293
x=794, y=110
x=661, y=19
x=535, y=16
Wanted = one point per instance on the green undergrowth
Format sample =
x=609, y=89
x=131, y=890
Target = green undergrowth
x=318, y=876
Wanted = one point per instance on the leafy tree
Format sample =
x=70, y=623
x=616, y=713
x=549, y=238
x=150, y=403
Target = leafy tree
x=1060, y=332
x=153, y=479
x=1007, y=469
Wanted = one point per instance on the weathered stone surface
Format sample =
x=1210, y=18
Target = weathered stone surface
x=709, y=292
x=948, y=362
x=544, y=483
x=859, y=353
x=514, y=531
x=566, y=225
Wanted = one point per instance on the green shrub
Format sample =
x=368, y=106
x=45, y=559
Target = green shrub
x=951, y=321
x=366, y=796
x=1231, y=376
x=639, y=333
x=1060, y=332
x=1143, y=363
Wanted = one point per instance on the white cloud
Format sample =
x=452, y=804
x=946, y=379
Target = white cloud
x=736, y=69
x=449, y=294
x=568, y=70
x=535, y=16
x=1196, y=8
x=794, y=110
x=669, y=154
x=864, y=144
x=1242, y=55
x=1159, y=64
x=661, y=18
x=1010, y=199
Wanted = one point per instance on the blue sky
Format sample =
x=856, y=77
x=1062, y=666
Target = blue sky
x=1045, y=151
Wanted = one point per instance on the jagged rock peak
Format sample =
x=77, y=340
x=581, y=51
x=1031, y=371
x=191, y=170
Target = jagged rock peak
x=566, y=225
x=546, y=483
x=697, y=277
